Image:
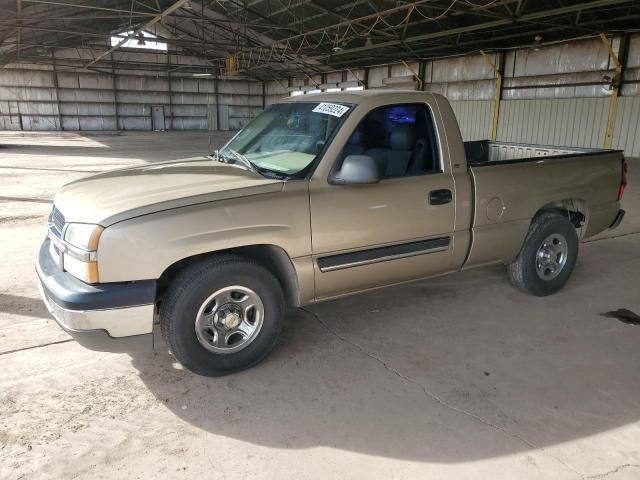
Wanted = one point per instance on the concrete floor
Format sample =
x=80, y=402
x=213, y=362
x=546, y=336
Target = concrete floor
x=456, y=377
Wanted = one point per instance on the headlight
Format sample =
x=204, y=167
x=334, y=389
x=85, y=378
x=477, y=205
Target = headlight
x=82, y=264
x=83, y=235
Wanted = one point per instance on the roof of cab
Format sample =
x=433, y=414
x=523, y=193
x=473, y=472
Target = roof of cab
x=359, y=96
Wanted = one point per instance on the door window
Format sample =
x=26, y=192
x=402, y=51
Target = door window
x=401, y=138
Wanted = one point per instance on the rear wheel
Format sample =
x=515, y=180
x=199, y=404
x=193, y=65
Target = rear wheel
x=547, y=257
x=222, y=315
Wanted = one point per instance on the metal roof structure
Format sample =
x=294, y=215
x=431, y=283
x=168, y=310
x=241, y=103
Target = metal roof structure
x=277, y=38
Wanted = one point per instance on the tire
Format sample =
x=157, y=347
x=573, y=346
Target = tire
x=540, y=268
x=196, y=300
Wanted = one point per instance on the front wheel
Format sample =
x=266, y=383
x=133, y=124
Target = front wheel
x=222, y=315
x=547, y=257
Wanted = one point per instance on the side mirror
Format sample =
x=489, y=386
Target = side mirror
x=357, y=169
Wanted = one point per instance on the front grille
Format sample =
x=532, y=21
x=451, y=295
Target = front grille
x=56, y=220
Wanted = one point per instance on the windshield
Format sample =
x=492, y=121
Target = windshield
x=287, y=137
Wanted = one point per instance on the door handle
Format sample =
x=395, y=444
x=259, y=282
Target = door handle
x=440, y=197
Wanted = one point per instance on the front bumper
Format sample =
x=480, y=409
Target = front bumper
x=114, y=317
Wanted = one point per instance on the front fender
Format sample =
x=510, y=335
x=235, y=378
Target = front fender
x=143, y=247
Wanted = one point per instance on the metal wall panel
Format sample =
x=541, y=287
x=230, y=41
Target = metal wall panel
x=96, y=123
x=580, y=56
x=223, y=117
x=474, y=118
x=91, y=101
x=377, y=75
x=190, y=123
x=355, y=74
x=27, y=94
x=400, y=70
x=333, y=77
x=33, y=78
x=579, y=122
x=40, y=122
x=472, y=67
x=467, y=90
x=85, y=96
x=626, y=133
x=275, y=91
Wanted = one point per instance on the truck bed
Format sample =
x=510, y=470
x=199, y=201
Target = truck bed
x=484, y=152
x=511, y=182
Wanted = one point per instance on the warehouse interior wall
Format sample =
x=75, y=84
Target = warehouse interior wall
x=556, y=94
x=57, y=97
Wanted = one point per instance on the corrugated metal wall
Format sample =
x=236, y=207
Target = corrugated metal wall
x=626, y=134
x=557, y=95
x=275, y=90
x=553, y=95
x=578, y=122
x=41, y=99
x=554, y=121
x=474, y=118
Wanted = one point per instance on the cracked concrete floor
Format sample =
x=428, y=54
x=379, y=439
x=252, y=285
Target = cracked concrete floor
x=453, y=377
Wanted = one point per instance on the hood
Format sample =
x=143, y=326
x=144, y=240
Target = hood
x=117, y=195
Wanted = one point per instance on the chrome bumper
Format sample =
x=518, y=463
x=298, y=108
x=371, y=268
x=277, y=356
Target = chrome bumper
x=111, y=317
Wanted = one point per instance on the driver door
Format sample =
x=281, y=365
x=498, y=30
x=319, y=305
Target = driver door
x=400, y=229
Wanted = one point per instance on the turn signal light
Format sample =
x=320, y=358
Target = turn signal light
x=623, y=179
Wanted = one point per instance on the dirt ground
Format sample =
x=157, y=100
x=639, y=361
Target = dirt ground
x=455, y=377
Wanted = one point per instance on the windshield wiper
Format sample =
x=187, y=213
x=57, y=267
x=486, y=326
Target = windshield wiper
x=238, y=157
x=244, y=160
x=217, y=156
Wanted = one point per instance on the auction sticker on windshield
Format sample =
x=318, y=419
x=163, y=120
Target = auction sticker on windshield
x=334, y=109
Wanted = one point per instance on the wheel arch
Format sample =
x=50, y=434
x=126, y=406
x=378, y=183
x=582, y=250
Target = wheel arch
x=272, y=257
x=575, y=209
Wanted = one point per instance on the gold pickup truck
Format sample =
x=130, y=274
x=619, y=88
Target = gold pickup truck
x=320, y=196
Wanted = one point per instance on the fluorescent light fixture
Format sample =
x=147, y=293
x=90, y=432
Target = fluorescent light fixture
x=203, y=74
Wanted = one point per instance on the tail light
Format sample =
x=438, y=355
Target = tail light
x=623, y=179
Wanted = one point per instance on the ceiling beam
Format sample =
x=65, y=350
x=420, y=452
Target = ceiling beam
x=395, y=40
x=90, y=7
x=484, y=26
x=470, y=46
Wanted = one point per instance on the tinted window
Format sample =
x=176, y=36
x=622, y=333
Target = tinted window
x=401, y=138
